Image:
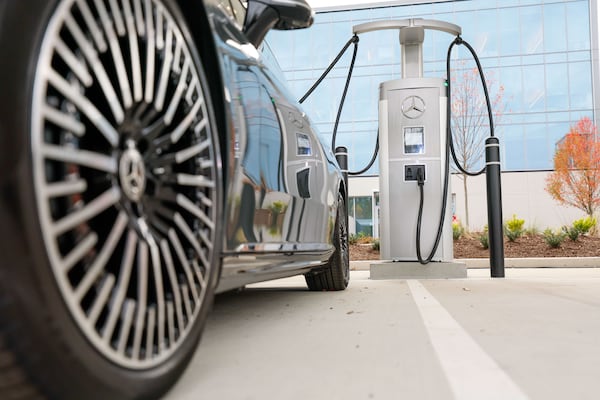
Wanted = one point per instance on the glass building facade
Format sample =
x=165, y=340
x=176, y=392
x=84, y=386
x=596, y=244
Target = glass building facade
x=537, y=51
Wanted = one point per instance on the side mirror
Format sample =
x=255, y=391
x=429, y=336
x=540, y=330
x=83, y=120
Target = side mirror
x=264, y=15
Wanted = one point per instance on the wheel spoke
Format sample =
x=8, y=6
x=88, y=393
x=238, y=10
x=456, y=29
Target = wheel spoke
x=100, y=262
x=122, y=285
x=173, y=281
x=116, y=13
x=139, y=17
x=79, y=251
x=150, y=332
x=84, y=158
x=101, y=299
x=160, y=293
x=126, y=326
x=142, y=296
x=181, y=85
x=66, y=188
x=165, y=73
x=186, y=122
x=92, y=58
x=74, y=64
x=188, y=205
x=150, y=53
x=115, y=50
x=186, y=300
x=92, y=26
x=101, y=203
x=135, y=53
x=194, y=180
x=171, y=322
x=85, y=106
x=160, y=41
x=65, y=121
x=184, y=262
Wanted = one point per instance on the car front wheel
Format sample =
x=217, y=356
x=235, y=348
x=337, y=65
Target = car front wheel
x=116, y=228
x=335, y=275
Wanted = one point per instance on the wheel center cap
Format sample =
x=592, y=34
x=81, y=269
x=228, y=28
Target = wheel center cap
x=132, y=173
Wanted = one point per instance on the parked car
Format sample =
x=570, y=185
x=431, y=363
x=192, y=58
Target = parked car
x=150, y=156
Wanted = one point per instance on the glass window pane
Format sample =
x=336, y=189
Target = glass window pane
x=555, y=28
x=510, y=78
x=533, y=88
x=580, y=85
x=486, y=42
x=539, y=150
x=532, y=33
x=557, y=87
x=513, y=149
x=510, y=40
x=578, y=29
x=320, y=50
x=363, y=215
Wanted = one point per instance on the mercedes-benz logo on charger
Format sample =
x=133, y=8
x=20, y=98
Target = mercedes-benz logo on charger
x=413, y=107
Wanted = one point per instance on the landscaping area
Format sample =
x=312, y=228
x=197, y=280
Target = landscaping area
x=578, y=240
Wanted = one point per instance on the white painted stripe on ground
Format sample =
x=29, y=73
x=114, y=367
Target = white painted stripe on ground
x=471, y=372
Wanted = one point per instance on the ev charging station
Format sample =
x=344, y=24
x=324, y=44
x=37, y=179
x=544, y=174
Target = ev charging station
x=414, y=144
x=412, y=125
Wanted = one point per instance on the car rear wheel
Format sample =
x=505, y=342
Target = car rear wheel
x=120, y=197
x=336, y=273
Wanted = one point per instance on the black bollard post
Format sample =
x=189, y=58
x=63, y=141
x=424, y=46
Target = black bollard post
x=494, y=206
x=341, y=155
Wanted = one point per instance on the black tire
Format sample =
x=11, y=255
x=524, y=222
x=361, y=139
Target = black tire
x=110, y=199
x=335, y=275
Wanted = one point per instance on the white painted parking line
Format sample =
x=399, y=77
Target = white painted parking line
x=471, y=372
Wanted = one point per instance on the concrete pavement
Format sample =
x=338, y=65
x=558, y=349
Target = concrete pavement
x=533, y=335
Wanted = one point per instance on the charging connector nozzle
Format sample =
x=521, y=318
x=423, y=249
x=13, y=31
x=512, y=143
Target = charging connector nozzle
x=420, y=176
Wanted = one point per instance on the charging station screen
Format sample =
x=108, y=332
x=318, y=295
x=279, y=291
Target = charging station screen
x=414, y=140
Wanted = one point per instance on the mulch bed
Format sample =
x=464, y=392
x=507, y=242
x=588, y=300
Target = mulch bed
x=529, y=246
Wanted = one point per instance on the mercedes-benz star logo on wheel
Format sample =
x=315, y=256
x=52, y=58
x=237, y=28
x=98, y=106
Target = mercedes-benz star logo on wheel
x=413, y=107
x=132, y=173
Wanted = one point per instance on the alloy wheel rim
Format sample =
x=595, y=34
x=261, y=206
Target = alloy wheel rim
x=344, y=247
x=125, y=175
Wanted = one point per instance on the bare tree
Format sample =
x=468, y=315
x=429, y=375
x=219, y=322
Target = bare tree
x=470, y=121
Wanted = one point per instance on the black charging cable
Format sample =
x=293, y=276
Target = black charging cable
x=353, y=40
x=461, y=41
x=450, y=151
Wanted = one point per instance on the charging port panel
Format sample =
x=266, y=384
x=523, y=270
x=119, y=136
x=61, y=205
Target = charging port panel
x=410, y=172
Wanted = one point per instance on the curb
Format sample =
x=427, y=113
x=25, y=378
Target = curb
x=546, y=262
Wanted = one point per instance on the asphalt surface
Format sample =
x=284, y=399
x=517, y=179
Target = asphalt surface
x=532, y=335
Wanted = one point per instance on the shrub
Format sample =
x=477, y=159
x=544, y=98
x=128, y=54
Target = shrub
x=513, y=229
x=484, y=240
x=457, y=230
x=584, y=225
x=571, y=232
x=376, y=244
x=359, y=238
x=554, y=238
